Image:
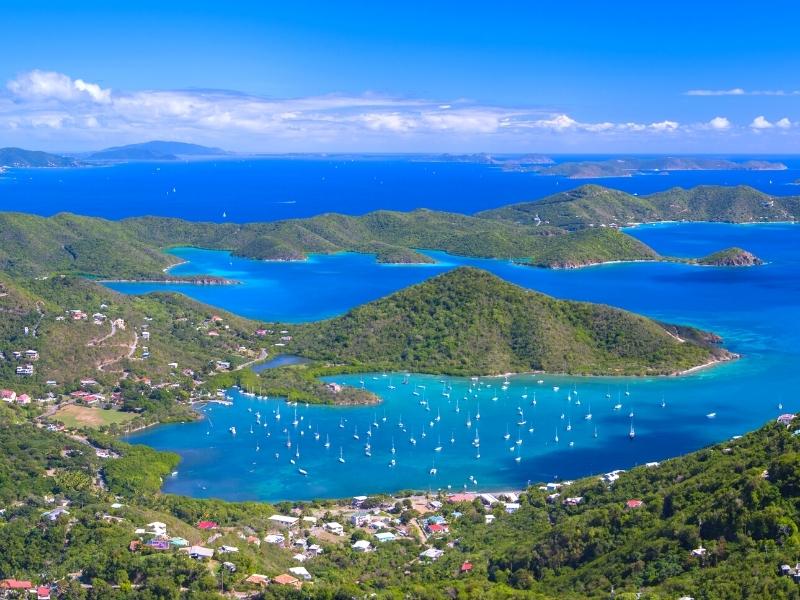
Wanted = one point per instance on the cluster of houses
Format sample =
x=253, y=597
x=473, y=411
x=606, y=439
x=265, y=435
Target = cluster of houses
x=12, y=588
x=10, y=396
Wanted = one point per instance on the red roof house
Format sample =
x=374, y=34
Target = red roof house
x=15, y=584
x=207, y=525
x=634, y=503
x=466, y=567
x=42, y=593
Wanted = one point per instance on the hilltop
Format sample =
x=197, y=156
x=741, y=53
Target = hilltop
x=20, y=158
x=597, y=206
x=469, y=322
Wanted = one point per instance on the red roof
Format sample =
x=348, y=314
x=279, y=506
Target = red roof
x=15, y=584
x=42, y=592
x=435, y=528
x=207, y=525
x=634, y=503
x=467, y=566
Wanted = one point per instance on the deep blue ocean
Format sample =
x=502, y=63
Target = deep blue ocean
x=279, y=188
x=754, y=309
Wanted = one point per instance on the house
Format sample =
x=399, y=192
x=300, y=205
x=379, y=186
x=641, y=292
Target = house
x=360, y=518
x=25, y=370
x=431, y=554
x=634, y=503
x=213, y=333
x=489, y=519
x=300, y=572
x=334, y=387
x=385, y=536
x=283, y=521
x=699, y=552
x=52, y=515
x=275, y=538
x=786, y=419
x=511, y=507
x=200, y=552
x=158, y=528
x=465, y=497
x=216, y=319
x=256, y=579
x=489, y=499
x=310, y=520
x=88, y=382
x=158, y=544
x=437, y=528
x=229, y=566
x=23, y=399
x=172, y=365
x=145, y=335
x=42, y=593
x=15, y=584
x=32, y=354
x=8, y=395
x=179, y=542
x=434, y=505
x=223, y=365
x=252, y=539
x=362, y=546
x=261, y=332
x=334, y=527
x=287, y=579
x=227, y=549
x=612, y=476
x=573, y=501
x=207, y=525
x=466, y=567
x=299, y=557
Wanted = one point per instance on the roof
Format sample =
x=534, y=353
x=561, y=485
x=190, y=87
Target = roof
x=361, y=544
x=301, y=572
x=201, y=551
x=634, y=503
x=257, y=579
x=466, y=566
x=15, y=584
x=283, y=519
x=286, y=579
x=207, y=525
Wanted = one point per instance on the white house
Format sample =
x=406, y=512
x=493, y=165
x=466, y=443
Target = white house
x=431, y=554
x=283, y=520
x=335, y=528
x=301, y=573
x=362, y=546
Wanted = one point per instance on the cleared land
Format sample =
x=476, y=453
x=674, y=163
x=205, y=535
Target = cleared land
x=83, y=416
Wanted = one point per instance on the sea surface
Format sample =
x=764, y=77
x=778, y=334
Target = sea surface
x=754, y=309
x=242, y=190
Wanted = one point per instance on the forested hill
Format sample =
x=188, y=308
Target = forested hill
x=20, y=158
x=470, y=322
x=594, y=206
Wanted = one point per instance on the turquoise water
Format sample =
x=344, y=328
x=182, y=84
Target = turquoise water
x=755, y=310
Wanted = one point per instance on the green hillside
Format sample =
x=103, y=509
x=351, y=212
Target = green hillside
x=470, y=322
x=20, y=158
x=593, y=205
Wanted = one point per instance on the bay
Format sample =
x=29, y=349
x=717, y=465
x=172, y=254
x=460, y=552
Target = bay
x=754, y=309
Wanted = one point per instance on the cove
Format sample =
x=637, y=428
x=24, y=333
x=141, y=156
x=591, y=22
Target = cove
x=754, y=309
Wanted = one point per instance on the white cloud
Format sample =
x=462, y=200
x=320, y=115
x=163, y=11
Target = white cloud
x=44, y=85
x=719, y=123
x=742, y=92
x=760, y=123
x=74, y=109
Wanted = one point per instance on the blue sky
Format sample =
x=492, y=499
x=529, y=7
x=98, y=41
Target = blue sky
x=457, y=76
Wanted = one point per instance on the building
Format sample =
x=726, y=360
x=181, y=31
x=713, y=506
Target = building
x=300, y=572
x=256, y=579
x=334, y=527
x=362, y=546
x=385, y=536
x=26, y=370
x=275, y=538
x=288, y=580
x=207, y=525
x=200, y=552
x=283, y=521
x=8, y=395
x=634, y=504
x=431, y=554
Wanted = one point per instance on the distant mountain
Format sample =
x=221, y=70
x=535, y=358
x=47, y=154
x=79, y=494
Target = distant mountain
x=155, y=150
x=17, y=157
x=628, y=167
x=468, y=321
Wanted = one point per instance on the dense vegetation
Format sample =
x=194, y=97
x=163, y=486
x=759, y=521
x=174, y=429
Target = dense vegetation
x=593, y=205
x=470, y=322
x=738, y=500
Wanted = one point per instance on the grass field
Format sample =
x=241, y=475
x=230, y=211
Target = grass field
x=83, y=416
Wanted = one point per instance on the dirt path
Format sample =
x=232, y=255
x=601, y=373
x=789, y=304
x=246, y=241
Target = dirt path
x=261, y=356
x=98, y=341
x=131, y=351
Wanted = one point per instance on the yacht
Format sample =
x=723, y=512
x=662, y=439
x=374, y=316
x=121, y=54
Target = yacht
x=341, y=456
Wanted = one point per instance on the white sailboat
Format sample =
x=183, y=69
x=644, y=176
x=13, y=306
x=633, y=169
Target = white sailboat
x=341, y=455
x=507, y=435
x=327, y=443
x=631, y=432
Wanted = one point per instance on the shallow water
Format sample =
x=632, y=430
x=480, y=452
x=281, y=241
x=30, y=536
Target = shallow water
x=754, y=309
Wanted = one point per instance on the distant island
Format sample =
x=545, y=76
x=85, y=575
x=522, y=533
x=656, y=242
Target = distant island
x=628, y=167
x=593, y=206
x=155, y=150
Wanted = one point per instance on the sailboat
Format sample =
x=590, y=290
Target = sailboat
x=525, y=393
x=519, y=438
x=341, y=423
x=518, y=458
x=327, y=441
x=556, y=438
x=595, y=431
x=438, y=416
x=394, y=450
x=478, y=414
x=452, y=438
x=232, y=429
x=469, y=421
x=458, y=408
x=569, y=425
x=588, y=415
x=355, y=432
x=316, y=434
x=477, y=441
x=288, y=441
x=391, y=385
x=439, y=446
x=507, y=435
x=341, y=455
x=533, y=402
x=433, y=470
x=278, y=414
x=295, y=421
x=663, y=402
x=631, y=433
x=522, y=419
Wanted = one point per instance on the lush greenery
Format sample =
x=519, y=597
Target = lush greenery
x=731, y=257
x=594, y=205
x=470, y=322
x=155, y=150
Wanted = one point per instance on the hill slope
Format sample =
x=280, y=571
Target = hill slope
x=470, y=322
x=593, y=205
x=20, y=158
